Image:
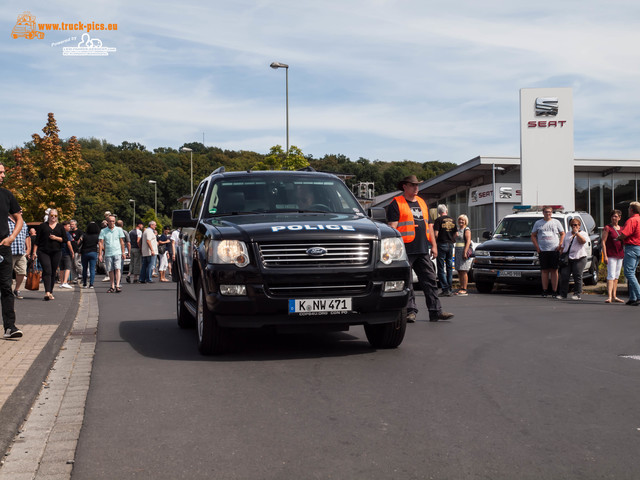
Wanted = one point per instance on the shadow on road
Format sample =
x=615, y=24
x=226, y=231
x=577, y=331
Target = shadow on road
x=164, y=340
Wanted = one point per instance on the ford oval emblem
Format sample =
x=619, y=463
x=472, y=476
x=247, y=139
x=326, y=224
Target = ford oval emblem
x=316, y=251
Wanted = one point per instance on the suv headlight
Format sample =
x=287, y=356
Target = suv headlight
x=227, y=252
x=392, y=249
x=481, y=253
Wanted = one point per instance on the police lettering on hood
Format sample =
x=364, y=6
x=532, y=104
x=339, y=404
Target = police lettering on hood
x=318, y=226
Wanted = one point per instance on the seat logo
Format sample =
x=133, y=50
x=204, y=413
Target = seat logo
x=546, y=106
x=316, y=251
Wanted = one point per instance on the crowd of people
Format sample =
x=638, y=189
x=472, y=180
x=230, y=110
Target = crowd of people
x=67, y=255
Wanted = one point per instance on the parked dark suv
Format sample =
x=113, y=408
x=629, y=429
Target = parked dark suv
x=509, y=256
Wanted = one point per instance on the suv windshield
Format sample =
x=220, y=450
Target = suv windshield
x=516, y=227
x=288, y=193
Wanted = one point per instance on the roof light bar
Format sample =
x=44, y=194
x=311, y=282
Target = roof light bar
x=537, y=208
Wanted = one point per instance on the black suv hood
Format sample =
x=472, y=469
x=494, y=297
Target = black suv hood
x=294, y=225
x=508, y=244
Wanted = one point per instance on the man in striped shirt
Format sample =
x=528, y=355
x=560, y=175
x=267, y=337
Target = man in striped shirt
x=19, y=248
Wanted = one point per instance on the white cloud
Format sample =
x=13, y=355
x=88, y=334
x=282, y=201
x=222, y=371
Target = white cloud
x=382, y=79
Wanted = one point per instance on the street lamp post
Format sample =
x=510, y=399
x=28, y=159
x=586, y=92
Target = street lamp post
x=187, y=149
x=275, y=66
x=155, y=184
x=493, y=193
x=131, y=200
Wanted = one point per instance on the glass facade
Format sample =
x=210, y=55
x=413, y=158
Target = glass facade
x=616, y=190
x=594, y=194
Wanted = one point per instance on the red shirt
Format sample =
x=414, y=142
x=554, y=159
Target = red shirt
x=631, y=230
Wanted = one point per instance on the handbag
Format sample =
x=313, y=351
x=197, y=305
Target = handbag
x=563, y=260
x=33, y=277
x=470, y=253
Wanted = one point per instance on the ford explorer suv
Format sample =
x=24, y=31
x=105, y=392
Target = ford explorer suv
x=509, y=256
x=290, y=251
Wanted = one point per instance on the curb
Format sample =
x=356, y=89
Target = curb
x=44, y=447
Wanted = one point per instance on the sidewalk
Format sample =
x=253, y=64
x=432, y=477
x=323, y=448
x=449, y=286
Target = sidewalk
x=25, y=362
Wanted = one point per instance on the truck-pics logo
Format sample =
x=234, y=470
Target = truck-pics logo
x=26, y=27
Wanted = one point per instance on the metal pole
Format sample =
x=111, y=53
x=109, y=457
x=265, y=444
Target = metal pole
x=287, y=100
x=493, y=194
x=134, y=212
x=155, y=209
x=191, y=173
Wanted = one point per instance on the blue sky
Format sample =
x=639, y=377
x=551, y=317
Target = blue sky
x=384, y=80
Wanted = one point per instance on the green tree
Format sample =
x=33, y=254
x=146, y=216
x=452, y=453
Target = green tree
x=278, y=159
x=48, y=174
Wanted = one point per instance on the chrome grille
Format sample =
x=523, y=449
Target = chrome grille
x=318, y=289
x=523, y=260
x=295, y=254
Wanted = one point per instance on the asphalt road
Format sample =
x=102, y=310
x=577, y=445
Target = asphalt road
x=515, y=387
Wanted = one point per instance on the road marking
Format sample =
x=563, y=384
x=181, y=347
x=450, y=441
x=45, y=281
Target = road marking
x=632, y=357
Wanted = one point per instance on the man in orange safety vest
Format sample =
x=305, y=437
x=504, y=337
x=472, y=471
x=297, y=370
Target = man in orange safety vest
x=409, y=214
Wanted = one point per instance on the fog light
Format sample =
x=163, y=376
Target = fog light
x=233, y=290
x=394, y=286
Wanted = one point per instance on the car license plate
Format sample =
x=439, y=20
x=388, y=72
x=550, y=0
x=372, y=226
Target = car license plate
x=320, y=305
x=509, y=273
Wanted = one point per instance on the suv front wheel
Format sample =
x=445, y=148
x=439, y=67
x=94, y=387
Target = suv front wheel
x=592, y=277
x=212, y=339
x=484, y=287
x=387, y=335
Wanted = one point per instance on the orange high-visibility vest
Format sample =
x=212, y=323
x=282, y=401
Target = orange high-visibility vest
x=406, y=225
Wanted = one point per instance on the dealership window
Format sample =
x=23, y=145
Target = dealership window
x=600, y=198
x=582, y=191
x=624, y=192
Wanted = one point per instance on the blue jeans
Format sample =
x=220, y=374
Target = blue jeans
x=630, y=262
x=89, y=267
x=445, y=265
x=146, y=270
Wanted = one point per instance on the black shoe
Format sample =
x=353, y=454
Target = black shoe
x=128, y=279
x=633, y=303
x=545, y=294
x=441, y=316
x=12, y=332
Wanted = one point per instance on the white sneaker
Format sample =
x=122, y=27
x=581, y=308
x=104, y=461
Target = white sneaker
x=66, y=285
x=106, y=279
x=576, y=297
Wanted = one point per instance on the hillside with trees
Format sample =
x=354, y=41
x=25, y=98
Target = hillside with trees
x=84, y=177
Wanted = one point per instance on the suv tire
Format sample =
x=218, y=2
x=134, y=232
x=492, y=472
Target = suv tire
x=185, y=319
x=592, y=277
x=484, y=287
x=212, y=339
x=387, y=335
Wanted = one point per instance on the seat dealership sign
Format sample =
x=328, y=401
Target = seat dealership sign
x=546, y=147
x=506, y=193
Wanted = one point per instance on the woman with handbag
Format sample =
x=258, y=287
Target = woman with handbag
x=612, y=255
x=574, y=247
x=463, y=254
x=48, y=249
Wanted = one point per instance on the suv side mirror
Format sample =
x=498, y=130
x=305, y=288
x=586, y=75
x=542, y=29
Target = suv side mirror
x=486, y=235
x=378, y=214
x=182, y=218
